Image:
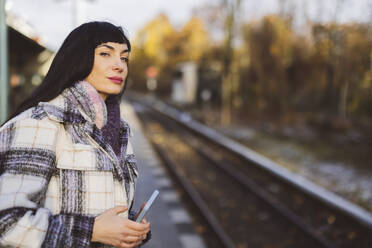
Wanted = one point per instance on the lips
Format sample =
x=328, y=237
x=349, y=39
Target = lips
x=117, y=80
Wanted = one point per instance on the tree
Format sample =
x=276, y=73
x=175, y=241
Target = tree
x=229, y=73
x=270, y=52
x=159, y=44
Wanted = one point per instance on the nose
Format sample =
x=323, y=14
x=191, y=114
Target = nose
x=118, y=65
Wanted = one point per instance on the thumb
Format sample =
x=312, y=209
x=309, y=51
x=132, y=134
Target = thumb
x=118, y=210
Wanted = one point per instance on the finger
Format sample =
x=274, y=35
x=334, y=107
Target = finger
x=135, y=244
x=131, y=244
x=147, y=229
x=118, y=209
x=136, y=232
x=138, y=226
x=123, y=245
x=138, y=243
x=143, y=237
x=126, y=245
x=129, y=239
x=131, y=232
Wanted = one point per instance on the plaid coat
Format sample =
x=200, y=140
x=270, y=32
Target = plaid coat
x=57, y=173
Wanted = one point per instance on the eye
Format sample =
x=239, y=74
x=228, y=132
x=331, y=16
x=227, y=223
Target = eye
x=104, y=54
x=125, y=59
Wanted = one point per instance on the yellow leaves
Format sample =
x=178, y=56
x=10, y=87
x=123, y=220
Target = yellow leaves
x=151, y=37
x=270, y=42
x=281, y=42
x=324, y=48
x=196, y=38
x=161, y=42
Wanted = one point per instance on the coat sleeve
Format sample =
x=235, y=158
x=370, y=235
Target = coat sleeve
x=27, y=162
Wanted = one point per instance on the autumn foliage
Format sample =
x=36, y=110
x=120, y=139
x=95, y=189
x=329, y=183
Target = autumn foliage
x=160, y=44
x=327, y=70
x=324, y=70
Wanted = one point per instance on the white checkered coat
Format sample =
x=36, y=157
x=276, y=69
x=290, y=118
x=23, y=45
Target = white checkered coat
x=57, y=174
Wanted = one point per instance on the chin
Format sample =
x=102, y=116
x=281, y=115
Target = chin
x=113, y=91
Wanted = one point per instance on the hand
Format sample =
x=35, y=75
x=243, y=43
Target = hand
x=109, y=228
x=144, y=221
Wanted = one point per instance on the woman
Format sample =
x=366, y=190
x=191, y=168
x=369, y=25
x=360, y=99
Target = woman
x=67, y=167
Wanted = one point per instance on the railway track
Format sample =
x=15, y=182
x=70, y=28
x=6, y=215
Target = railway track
x=243, y=201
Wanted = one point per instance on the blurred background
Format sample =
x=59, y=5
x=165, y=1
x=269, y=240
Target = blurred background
x=292, y=79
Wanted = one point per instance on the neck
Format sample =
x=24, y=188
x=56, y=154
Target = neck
x=103, y=95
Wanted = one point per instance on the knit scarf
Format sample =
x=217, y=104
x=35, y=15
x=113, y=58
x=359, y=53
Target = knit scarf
x=104, y=114
x=111, y=131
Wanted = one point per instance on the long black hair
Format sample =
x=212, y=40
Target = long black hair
x=74, y=61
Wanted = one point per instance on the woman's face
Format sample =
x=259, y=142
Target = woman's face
x=110, y=68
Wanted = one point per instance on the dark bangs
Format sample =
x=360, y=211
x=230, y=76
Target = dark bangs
x=106, y=32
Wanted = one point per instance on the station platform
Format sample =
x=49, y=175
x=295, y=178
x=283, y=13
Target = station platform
x=171, y=225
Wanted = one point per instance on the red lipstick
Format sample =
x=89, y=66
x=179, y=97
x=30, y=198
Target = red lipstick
x=117, y=80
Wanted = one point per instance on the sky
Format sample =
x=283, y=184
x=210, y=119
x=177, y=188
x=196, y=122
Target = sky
x=52, y=20
x=56, y=19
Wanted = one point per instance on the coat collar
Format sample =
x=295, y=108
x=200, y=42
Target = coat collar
x=81, y=104
x=77, y=104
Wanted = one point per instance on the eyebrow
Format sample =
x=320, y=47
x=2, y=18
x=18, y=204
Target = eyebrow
x=111, y=48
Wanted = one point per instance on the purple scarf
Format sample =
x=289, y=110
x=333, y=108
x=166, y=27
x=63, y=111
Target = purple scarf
x=111, y=131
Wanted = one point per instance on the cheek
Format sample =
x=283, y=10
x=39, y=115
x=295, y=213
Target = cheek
x=126, y=69
x=99, y=66
x=94, y=73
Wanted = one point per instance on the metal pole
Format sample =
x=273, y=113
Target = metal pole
x=4, y=84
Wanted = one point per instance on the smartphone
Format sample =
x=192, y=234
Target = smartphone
x=146, y=206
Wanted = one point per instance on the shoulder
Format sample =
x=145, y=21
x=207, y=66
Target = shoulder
x=46, y=114
x=34, y=117
x=31, y=128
